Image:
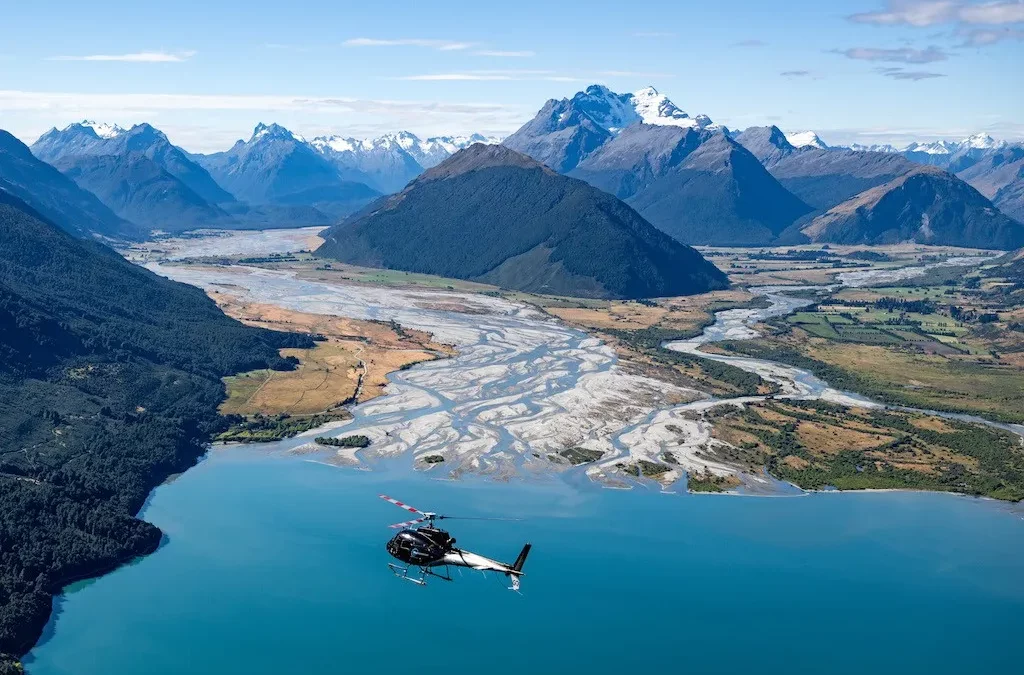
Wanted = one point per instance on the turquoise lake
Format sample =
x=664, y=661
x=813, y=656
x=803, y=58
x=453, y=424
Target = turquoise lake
x=276, y=564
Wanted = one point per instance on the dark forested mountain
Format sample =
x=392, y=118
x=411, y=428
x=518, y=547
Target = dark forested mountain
x=699, y=186
x=140, y=190
x=84, y=139
x=55, y=196
x=110, y=382
x=276, y=167
x=927, y=206
x=494, y=215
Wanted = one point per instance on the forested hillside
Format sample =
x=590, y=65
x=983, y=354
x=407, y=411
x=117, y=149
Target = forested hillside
x=110, y=381
x=493, y=215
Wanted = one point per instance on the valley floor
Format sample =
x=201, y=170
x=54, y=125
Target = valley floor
x=633, y=410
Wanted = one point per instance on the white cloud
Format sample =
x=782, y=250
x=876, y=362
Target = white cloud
x=441, y=45
x=912, y=75
x=902, y=55
x=207, y=123
x=981, y=37
x=993, y=13
x=13, y=100
x=931, y=12
x=138, y=57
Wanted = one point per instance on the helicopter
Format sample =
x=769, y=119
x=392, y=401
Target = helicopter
x=428, y=548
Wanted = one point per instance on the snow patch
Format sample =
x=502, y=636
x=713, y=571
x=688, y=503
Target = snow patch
x=806, y=139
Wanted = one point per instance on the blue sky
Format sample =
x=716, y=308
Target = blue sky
x=207, y=71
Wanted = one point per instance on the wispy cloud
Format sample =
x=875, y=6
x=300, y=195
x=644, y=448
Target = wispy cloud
x=28, y=113
x=796, y=73
x=505, y=54
x=932, y=12
x=455, y=77
x=982, y=37
x=440, y=45
x=749, y=43
x=903, y=74
x=491, y=76
x=137, y=57
x=993, y=13
x=78, y=103
x=901, y=55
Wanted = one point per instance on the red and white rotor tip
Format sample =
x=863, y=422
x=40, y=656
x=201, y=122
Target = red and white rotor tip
x=402, y=505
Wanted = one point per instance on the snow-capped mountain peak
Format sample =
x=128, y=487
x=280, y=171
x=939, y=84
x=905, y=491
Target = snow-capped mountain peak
x=427, y=152
x=274, y=131
x=656, y=108
x=980, y=141
x=934, y=148
x=805, y=139
x=102, y=130
x=615, y=112
x=884, y=147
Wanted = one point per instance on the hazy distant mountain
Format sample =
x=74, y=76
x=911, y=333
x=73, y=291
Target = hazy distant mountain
x=140, y=190
x=389, y=162
x=494, y=215
x=277, y=167
x=55, y=196
x=698, y=185
x=927, y=206
x=565, y=131
x=91, y=138
x=999, y=175
x=881, y=197
x=821, y=178
x=992, y=167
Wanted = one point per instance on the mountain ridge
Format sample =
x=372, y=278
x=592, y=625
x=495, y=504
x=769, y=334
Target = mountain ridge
x=55, y=196
x=498, y=216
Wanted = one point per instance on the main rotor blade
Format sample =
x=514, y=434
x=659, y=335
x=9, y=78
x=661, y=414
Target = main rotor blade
x=401, y=505
x=407, y=523
x=476, y=518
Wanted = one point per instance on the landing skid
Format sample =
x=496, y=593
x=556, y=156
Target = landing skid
x=403, y=573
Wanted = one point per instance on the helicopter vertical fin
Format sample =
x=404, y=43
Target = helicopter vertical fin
x=517, y=566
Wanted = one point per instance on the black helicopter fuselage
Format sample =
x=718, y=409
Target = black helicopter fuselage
x=423, y=546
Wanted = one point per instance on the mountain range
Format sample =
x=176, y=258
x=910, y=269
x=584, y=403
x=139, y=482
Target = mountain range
x=994, y=168
x=389, y=162
x=277, y=167
x=274, y=179
x=493, y=215
x=695, y=180
x=55, y=196
x=704, y=184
